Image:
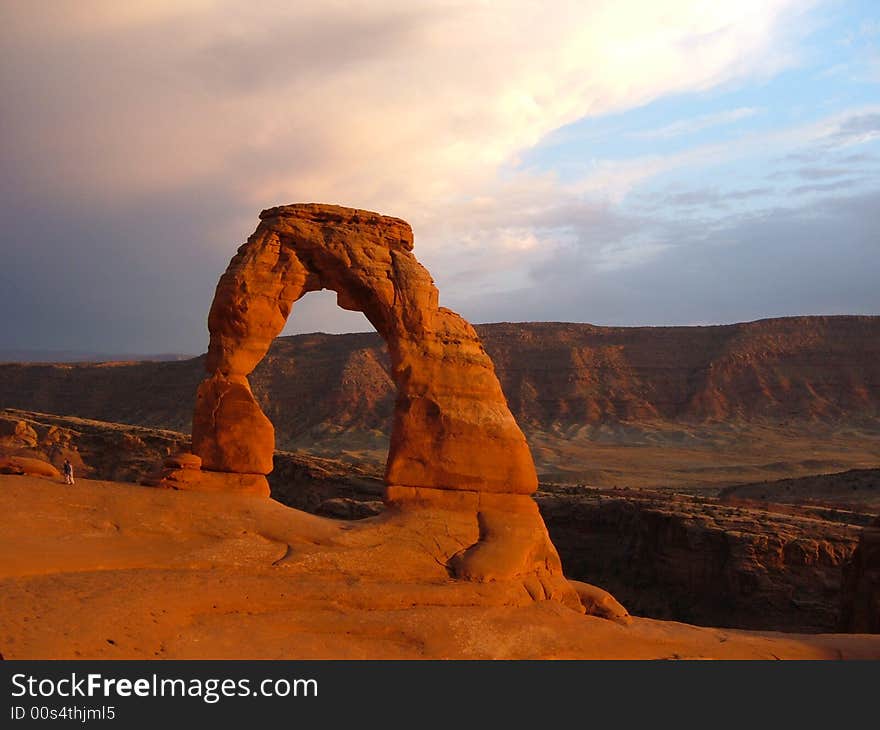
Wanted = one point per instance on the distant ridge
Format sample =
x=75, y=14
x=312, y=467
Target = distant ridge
x=557, y=377
x=73, y=356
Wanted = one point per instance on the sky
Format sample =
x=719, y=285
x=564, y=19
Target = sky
x=622, y=162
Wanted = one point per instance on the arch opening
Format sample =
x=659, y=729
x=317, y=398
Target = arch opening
x=328, y=393
x=319, y=313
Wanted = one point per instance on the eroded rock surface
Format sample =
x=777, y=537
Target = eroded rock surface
x=702, y=561
x=97, y=449
x=123, y=572
x=662, y=555
x=860, y=605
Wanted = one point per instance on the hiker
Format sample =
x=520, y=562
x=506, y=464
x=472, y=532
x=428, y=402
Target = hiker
x=68, y=472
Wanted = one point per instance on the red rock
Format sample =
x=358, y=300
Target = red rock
x=599, y=602
x=15, y=433
x=190, y=480
x=452, y=428
x=26, y=465
x=230, y=432
x=860, y=604
x=183, y=460
x=454, y=443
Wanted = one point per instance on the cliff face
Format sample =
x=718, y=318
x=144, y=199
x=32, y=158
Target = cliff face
x=799, y=367
x=555, y=376
x=156, y=394
x=698, y=561
x=860, y=599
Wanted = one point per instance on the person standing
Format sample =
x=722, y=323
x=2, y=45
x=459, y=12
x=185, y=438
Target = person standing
x=68, y=472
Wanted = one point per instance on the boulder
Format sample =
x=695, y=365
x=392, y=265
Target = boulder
x=600, y=603
x=24, y=465
x=182, y=460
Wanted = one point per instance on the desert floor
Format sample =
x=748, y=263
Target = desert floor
x=111, y=570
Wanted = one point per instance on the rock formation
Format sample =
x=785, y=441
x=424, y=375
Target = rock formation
x=454, y=443
x=599, y=602
x=114, y=571
x=860, y=605
x=23, y=465
x=452, y=427
x=97, y=449
x=698, y=560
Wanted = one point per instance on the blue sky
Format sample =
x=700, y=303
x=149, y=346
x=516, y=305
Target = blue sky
x=626, y=163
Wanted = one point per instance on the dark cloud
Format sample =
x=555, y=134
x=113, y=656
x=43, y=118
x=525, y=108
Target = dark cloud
x=856, y=128
x=714, y=197
x=802, y=260
x=128, y=279
x=821, y=173
x=830, y=187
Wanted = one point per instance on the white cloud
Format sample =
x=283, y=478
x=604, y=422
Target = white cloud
x=392, y=105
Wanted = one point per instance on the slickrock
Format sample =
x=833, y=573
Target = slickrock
x=755, y=565
x=124, y=572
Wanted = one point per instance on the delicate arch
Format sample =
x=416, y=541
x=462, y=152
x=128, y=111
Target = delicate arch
x=452, y=427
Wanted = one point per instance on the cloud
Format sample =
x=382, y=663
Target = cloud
x=831, y=187
x=773, y=263
x=697, y=124
x=710, y=196
x=383, y=104
x=821, y=173
x=142, y=136
x=856, y=129
x=620, y=259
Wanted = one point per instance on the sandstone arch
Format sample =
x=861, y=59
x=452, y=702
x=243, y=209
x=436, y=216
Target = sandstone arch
x=455, y=444
x=452, y=428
